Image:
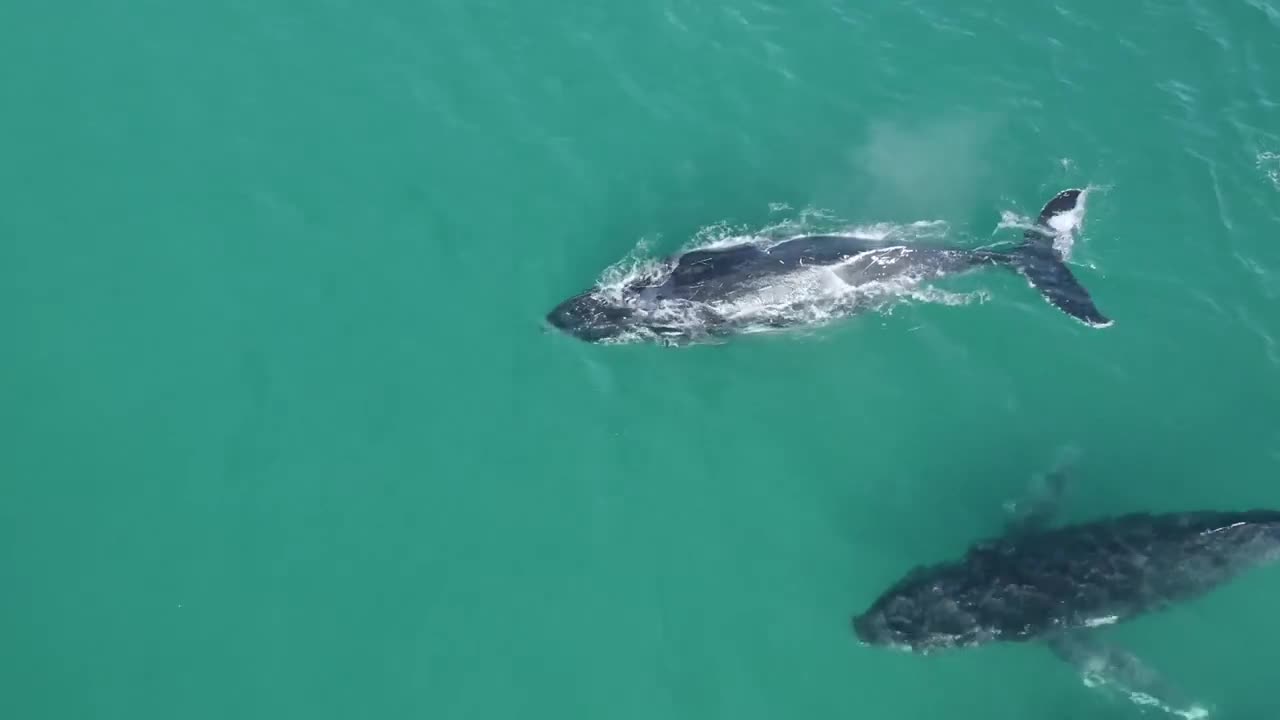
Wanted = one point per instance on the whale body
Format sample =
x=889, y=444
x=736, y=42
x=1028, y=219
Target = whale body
x=1042, y=583
x=1062, y=589
x=699, y=294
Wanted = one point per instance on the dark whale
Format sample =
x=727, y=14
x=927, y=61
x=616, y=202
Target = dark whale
x=1064, y=587
x=1045, y=582
x=685, y=302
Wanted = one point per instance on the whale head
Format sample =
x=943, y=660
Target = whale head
x=920, y=614
x=873, y=628
x=917, y=630
x=592, y=318
x=900, y=627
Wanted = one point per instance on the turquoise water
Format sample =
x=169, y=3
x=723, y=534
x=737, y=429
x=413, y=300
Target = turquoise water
x=285, y=436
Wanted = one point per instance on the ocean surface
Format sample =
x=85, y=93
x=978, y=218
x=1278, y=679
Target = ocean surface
x=283, y=433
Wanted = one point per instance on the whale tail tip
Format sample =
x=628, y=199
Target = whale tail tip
x=1044, y=267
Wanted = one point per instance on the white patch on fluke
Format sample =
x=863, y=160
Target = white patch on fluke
x=1100, y=621
x=1066, y=225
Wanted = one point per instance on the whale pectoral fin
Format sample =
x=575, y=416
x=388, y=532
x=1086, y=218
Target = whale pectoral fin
x=1109, y=668
x=1037, y=510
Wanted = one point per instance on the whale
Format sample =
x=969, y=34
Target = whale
x=708, y=294
x=1047, y=581
x=1063, y=587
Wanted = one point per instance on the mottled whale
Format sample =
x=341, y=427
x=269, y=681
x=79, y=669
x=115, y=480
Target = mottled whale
x=1043, y=582
x=700, y=294
x=1063, y=586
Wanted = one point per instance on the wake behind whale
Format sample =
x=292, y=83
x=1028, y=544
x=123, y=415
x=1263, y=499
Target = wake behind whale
x=712, y=293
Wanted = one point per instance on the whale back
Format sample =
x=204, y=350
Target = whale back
x=702, y=265
x=1036, y=584
x=718, y=273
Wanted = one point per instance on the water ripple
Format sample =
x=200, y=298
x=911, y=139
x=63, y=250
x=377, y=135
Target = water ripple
x=1273, y=15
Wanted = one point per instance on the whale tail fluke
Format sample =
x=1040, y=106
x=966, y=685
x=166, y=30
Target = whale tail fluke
x=1043, y=266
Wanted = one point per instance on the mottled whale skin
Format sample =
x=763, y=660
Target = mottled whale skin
x=701, y=278
x=1045, y=582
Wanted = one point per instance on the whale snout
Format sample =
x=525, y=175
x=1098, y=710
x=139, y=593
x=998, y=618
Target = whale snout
x=589, y=318
x=889, y=627
x=871, y=629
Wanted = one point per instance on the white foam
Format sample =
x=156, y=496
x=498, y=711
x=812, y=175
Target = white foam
x=1010, y=219
x=1269, y=163
x=1194, y=712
